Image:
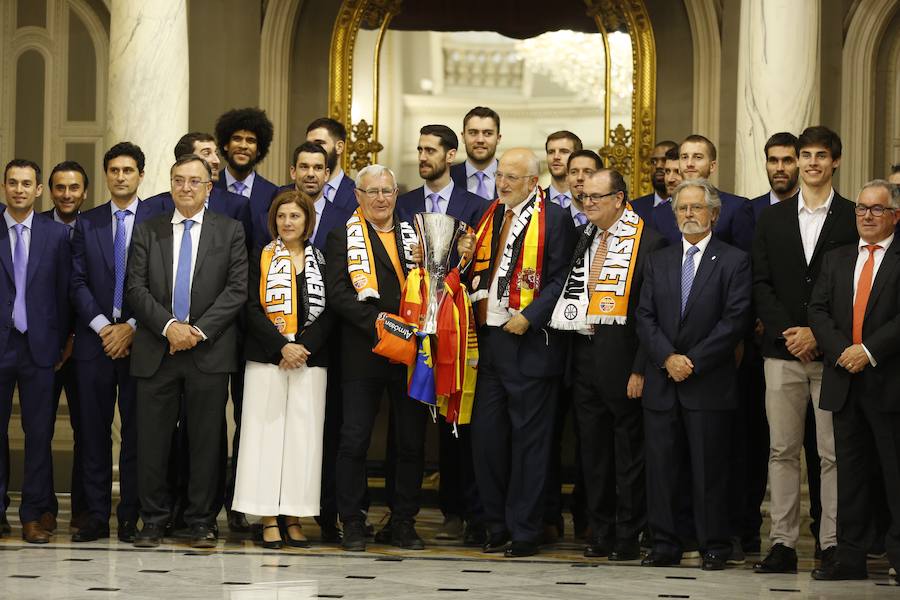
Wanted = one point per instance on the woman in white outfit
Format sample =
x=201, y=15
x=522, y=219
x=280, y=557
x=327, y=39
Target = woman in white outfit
x=280, y=464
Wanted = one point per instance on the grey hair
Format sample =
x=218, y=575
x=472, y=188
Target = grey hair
x=534, y=165
x=374, y=171
x=710, y=193
x=893, y=190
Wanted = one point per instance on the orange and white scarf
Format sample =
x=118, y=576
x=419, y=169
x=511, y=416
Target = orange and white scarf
x=361, y=259
x=278, y=292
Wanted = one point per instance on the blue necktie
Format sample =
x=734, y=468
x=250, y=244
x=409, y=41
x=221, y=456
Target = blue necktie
x=119, y=253
x=20, y=271
x=238, y=187
x=182, y=297
x=687, y=275
x=435, y=203
x=481, y=190
x=328, y=192
x=563, y=200
x=580, y=219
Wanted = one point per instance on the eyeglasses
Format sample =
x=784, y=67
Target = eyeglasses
x=693, y=208
x=594, y=198
x=510, y=178
x=877, y=210
x=194, y=182
x=373, y=193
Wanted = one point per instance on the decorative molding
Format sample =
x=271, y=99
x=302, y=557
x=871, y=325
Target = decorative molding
x=707, y=63
x=362, y=145
x=892, y=138
x=618, y=153
x=860, y=54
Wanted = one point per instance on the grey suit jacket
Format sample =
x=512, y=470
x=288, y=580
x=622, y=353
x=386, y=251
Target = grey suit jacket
x=218, y=291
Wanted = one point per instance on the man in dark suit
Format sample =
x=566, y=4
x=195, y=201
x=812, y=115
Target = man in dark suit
x=104, y=329
x=853, y=313
x=521, y=360
x=645, y=204
x=243, y=136
x=735, y=224
x=689, y=387
x=458, y=493
x=791, y=238
x=608, y=363
x=782, y=170
x=187, y=281
x=36, y=259
x=480, y=134
x=332, y=136
x=368, y=376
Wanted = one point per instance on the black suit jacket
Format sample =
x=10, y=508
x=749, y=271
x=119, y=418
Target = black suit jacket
x=261, y=197
x=617, y=349
x=357, y=319
x=716, y=317
x=263, y=342
x=218, y=292
x=831, y=319
x=782, y=281
x=464, y=205
x=458, y=175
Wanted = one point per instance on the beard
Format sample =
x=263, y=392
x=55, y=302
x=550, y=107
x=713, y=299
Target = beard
x=332, y=160
x=240, y=168
x=437, y=171
x=693, y=228
x=659, y=183
x=784, y=186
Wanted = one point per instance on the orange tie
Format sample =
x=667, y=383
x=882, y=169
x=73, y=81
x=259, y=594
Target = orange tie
x=481, y=305
x=863, y=288
x=597, y=262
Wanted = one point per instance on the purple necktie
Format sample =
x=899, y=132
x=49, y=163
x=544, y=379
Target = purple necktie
x=329, y=192
x=119, y=254
x=580, y=219
x=481, y=190
x=435, y=203
x=20, y=270
x=238, y=187
x=563, y=200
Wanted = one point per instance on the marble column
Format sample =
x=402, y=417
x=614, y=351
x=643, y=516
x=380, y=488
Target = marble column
x=148, y=82
x=778, y=81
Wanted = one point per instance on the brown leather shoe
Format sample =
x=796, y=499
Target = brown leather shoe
x=33, y=533
x=48, y=522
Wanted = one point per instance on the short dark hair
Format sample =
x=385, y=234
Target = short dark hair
x=189, y=158
x=69, y=165
x=782, y=138
x=335, y=128
x=616, y=181
x=125, y=149
x=485, y=113
x=667, y=144
x=301, y=199
x=819, y=135
x=186, y=144
x=697, y=138
x=23, y=163
x=449, y=140
x=672, y=153
x=310, y=147
x=250, y=119
x=564, y=135
x=598, y=162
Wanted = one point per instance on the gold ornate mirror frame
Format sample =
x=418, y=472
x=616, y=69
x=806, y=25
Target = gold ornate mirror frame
x=626, y=149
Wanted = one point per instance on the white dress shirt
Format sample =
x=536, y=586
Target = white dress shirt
x=177, y=233
x=497, y=314
x=811, y=223
x=444, y=196
x=248, y=183
x=100, y=321
x=702, y=244
x=657, y=199
x=861, y=259
x=472, y=180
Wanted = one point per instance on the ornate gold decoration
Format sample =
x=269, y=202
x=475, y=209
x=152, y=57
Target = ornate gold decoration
x=618, y=153
x=376, y=11
x=361, y=146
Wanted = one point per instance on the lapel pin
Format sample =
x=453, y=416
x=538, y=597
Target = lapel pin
x=713, y=258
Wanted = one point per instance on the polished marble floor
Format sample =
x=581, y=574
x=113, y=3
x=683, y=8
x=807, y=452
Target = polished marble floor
x=239, y=570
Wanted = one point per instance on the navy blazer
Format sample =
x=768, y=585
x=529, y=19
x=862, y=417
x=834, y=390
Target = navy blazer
x=458, y=175
x=94, y=272
x=345, y=196
x=734, y=226
x=716, y=318
x=220, y=201
x=643, y=206
x=261, y=196
x=759, y=204
x=46, y=292
x=464, y=205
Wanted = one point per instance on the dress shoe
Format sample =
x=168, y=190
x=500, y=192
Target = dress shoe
x=93, y=531
x=496, y=542
x=127, y=531
x=737, y=556
x=298, y=540
x=33, y=533
x=354, y=539
x=658, y=559
x=403, y=535
x=521, y=549
x=475, y=535
x=835, y=570
x=829, y=555
x=237, y=522
x=48, y=522
x=385, y=534
x=713, y=562
x=5, y=529
x=596, y=549
x=272, y=544
x=149, y=537
x=203, y=536
x=330, y=533
x=625, y=550
x=780, y=559
x=451, y=529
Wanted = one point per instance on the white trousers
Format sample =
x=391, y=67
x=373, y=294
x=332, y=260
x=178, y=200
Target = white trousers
x=279, y=469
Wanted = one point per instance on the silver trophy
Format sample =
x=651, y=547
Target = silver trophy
x=438, y=234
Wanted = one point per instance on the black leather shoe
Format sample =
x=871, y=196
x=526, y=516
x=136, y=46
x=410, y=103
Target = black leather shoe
x=237, y=522
x=780, y=559
x=354, y=539
x=203, y=536
x=596, y=549
x=385, y=534
x=272, y=544
x=5, y=529
x=127, y=531
x=496, y=542
x=93, y=531
x=475, y=535
x=149, y=537
x=713, y=562
x=829, y=555
x=625, y=550
x=835, y=570
x=403, y=535
x=331, y=533
x=658, y=559
x=521, y=549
